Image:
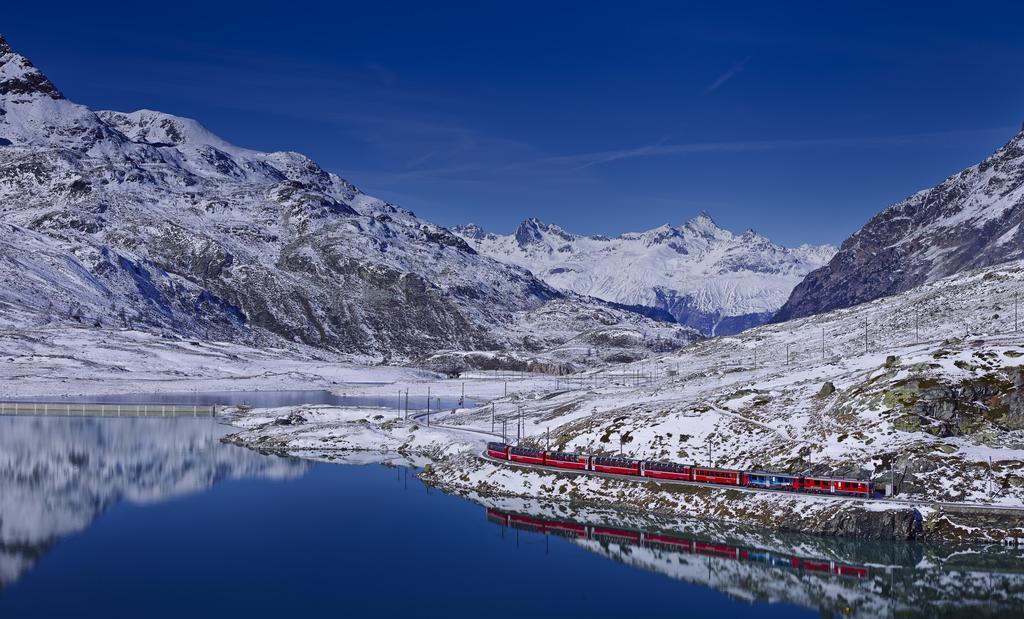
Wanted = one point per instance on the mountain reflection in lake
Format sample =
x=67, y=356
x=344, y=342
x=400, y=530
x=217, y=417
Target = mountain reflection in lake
x=262, y=399
x=836, y=577
x=58, y=475
x=122, y=517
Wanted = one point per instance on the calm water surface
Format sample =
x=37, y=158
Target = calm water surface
x=259, y=399
x=155, y=517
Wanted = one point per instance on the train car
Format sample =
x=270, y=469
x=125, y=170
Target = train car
x=768, y=558
x=566, y=460
x=812, y=565
x=527, y=523
x=818, y=484
x=525, y=454
x=497, y=517
x=853, y=487
x=771, y=481
x=621, y=466
x=618, y=535
x=669, y=542
x=568, y=529
x=728, y=477
x=851, y=571
x=667, y=470
x=712, y=549
x=497, y=450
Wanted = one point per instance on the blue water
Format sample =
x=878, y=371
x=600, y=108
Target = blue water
x=265, y=536
x=341, y=540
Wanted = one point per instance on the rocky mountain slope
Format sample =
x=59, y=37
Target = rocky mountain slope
x=150, y=221
x=970, y=220
x=704, y=276
x=920, y=390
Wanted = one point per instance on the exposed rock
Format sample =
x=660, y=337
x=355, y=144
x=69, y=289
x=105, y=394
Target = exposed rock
x=696, y=274
x=199, y=237
x=972, y=219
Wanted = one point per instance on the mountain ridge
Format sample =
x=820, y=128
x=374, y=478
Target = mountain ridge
x=705, y=276
x=972, y=219
x=148, y=220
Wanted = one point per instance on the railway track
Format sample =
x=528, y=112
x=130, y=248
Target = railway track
x=980, y=507
x=963, y=507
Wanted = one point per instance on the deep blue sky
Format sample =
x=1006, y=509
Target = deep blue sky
x=800, y=120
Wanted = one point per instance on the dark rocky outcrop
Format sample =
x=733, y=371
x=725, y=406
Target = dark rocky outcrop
x=972, y=219
x=199, y=237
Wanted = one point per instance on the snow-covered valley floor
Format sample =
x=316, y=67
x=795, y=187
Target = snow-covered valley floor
x=919, y=390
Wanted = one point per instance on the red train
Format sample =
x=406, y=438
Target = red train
x=682, y=472
x=675, y=544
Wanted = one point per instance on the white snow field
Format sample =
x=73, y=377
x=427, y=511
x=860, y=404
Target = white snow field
x=927, y=399
x=147, y=220
x=705, y=276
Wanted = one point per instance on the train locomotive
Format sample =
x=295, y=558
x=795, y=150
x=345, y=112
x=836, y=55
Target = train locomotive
x=619, y=465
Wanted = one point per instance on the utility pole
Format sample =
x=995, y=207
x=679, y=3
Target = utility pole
x=892, y=476
x=492, y=417
x=865, y=335
x=428, y=402
x=823, y=343
x=990, y=477
x=787, y=354
x=547, y=438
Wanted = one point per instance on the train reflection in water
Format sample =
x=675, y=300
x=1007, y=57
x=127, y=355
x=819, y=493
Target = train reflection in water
x=578, y=531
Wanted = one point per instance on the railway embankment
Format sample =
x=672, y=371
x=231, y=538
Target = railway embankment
x=829, y=516
x=875, y=519
x=455, y=466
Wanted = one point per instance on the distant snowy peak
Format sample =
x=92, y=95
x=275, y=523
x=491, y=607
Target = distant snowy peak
x=19, y=77
x=534, y=231
x=149, y=221
x=704, y=275
x=159, y=129
x=972, y=219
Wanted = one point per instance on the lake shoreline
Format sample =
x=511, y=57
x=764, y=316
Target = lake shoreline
x=454, y=467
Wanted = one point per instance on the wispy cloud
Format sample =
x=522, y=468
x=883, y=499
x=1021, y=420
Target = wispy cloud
x=582, y=161
x=728, y=75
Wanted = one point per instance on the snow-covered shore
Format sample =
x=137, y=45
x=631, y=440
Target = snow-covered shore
x=927, y=399
x=919, y=390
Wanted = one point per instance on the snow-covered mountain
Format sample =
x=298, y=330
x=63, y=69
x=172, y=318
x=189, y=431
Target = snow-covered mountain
x=703, y=275
x=970, y=220
x=149, y=220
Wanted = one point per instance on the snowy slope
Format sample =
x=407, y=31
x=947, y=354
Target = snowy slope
x=150, y=221
x=922, y=389
x=705, y=276
x=970, y=220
